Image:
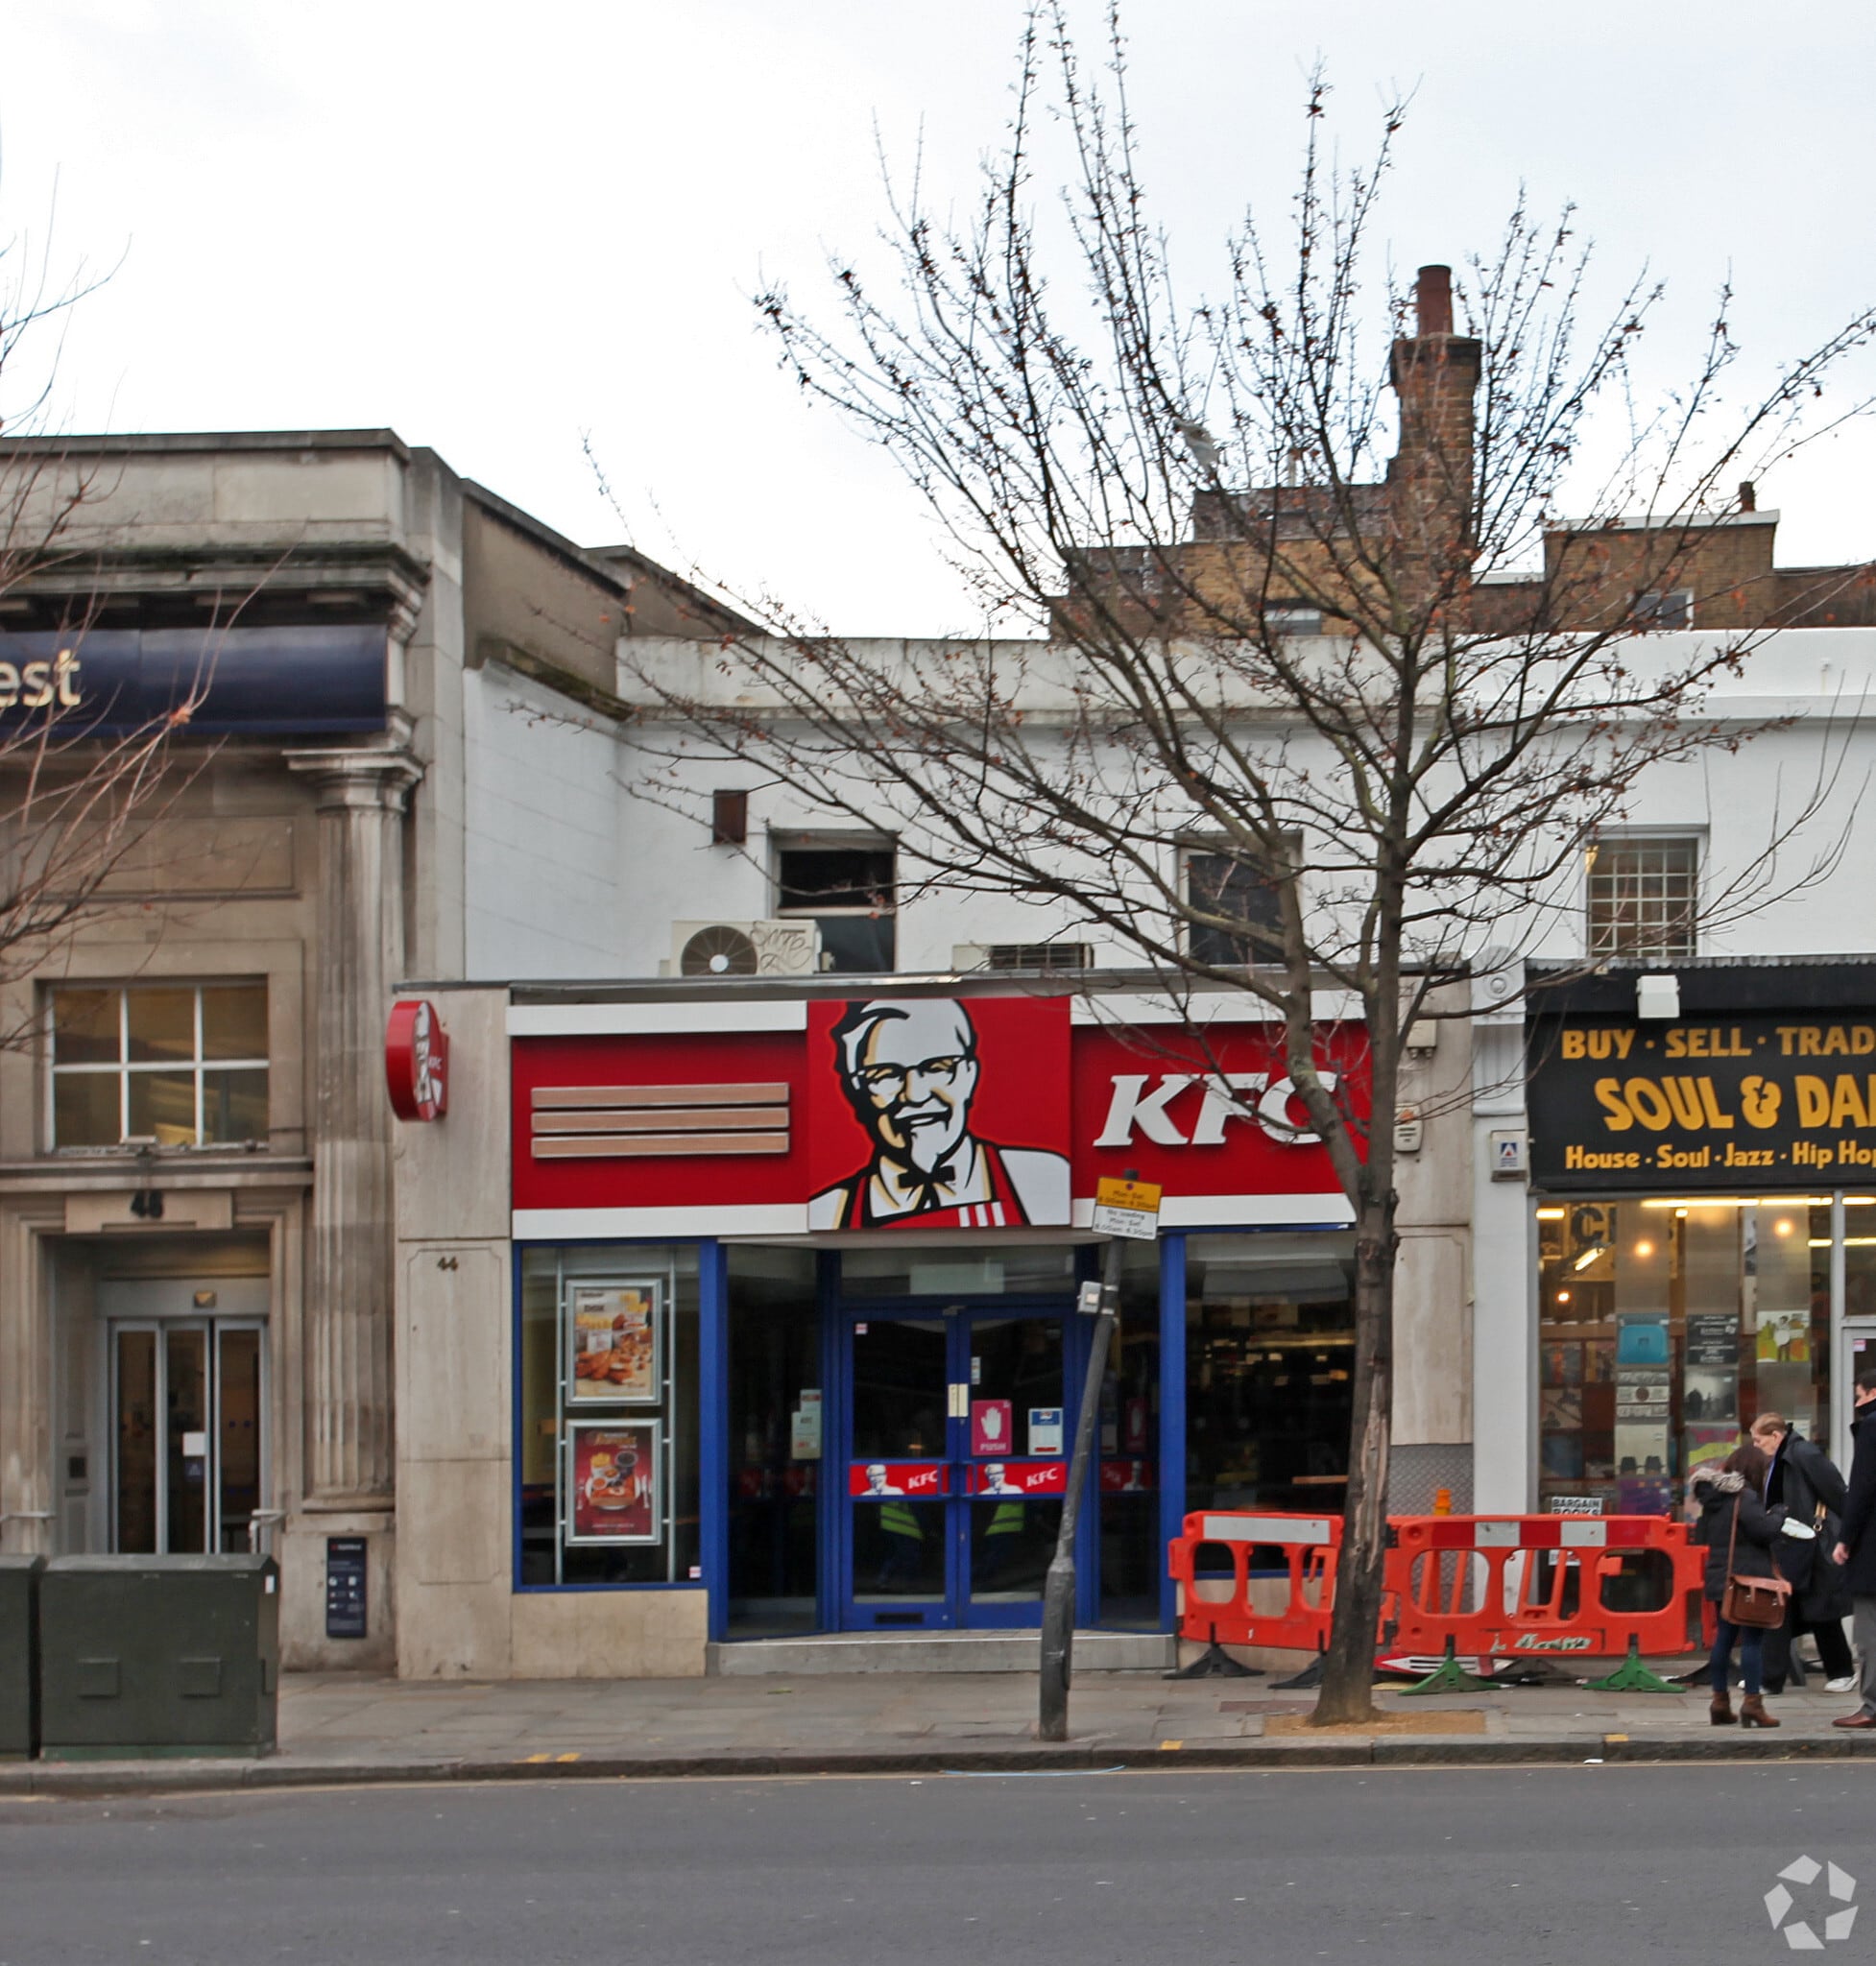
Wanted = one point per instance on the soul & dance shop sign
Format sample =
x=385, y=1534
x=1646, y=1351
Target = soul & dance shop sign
x=1734, y=1102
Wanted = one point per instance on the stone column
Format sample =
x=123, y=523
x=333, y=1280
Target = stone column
x=361, y=795
x=351, y=1468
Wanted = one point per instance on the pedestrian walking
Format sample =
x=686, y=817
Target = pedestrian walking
x=1805, y=1482
x=1856, y=1550
x=1739, y=1533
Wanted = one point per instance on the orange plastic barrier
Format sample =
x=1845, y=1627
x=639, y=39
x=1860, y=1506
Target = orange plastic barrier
x=1512, y=1586
x=1216, y=1615
x=1486, y=1586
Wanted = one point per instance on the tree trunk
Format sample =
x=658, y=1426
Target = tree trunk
x=1347, y=1667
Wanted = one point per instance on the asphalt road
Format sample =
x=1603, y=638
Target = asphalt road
x=1533, y=1866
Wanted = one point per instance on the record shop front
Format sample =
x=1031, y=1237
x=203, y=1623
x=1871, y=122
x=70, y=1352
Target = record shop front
x=1704, y=1193
x=740, y=1315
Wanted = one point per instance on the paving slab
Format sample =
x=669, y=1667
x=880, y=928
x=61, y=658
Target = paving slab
x=338, y=1727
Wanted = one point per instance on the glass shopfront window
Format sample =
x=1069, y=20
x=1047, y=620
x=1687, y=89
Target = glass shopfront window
x=778, y=1425
x=1669, y=1323
x=608, y=1454
x=1129, y=1441
x=1269, y=1370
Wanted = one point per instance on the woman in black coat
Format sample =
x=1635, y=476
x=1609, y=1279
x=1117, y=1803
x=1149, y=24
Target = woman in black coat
x=1736, y=1525
x=1803, y=1477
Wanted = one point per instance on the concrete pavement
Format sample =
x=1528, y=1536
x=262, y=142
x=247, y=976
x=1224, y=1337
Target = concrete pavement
x=337, y=1728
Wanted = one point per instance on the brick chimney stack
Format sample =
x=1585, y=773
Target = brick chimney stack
x=1433, y=301
x=1434, y=373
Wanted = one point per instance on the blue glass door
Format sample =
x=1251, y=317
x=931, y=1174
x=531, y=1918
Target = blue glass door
x=957, y=1426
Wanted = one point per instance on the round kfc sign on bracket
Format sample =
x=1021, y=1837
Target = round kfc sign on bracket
x=417, y=1061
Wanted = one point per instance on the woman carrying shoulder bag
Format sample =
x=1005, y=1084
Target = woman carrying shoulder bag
x=1804, y=1479
x=1743, y=1577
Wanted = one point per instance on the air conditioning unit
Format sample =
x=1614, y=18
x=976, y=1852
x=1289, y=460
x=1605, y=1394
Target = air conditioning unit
x=745, y=948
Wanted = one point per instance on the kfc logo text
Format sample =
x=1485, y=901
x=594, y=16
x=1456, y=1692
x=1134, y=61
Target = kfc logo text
x=1134, y=1113
x=879, y=1480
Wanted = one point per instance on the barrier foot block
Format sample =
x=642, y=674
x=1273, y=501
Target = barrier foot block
x=1631, y=1676
x=1449, y=1677
x=1214, y=1662
x=1306, y=1680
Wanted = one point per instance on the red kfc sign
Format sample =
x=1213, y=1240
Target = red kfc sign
x=417, y=1061
x=1207, y=1115
x=978, y=1113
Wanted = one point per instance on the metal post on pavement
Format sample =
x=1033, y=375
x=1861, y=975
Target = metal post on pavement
x=1130, y=1210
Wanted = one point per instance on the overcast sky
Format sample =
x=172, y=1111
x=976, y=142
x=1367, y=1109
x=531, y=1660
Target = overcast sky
x=497, y=227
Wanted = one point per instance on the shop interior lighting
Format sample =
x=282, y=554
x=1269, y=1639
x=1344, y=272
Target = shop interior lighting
x=1551, y=1214
x=1589, y=1256
x=1782, y=1226
x=1849, y=1242
x=1682, y=1203
x=1644, y=1249
x=1563, y=1296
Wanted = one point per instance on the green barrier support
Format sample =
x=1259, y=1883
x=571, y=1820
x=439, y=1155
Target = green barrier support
x=1631, y=1676
x=1449, y=1677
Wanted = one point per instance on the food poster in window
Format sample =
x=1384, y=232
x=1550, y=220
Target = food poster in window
x=613, y=1481
x=616, y=1342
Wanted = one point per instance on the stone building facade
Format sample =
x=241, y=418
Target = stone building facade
x=196, y=1236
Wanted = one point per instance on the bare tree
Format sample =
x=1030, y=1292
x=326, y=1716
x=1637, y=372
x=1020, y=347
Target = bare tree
x=79, y=793
x=1389, y=700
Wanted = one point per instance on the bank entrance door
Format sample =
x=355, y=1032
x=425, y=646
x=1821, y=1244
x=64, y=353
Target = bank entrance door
x=954, y=1442
x=187, y=1405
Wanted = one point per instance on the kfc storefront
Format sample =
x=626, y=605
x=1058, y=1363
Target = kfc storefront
x=793, y=1326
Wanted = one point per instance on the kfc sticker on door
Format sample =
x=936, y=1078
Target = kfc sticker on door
x=1021, y=1479
x=879, y=1480
x=990, y=1426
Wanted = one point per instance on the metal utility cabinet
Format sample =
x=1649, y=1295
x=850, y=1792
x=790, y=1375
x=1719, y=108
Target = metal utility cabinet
x=19, y=1678
x=159, y=1655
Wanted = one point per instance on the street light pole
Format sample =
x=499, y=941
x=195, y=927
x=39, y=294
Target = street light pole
x=1058, y=1593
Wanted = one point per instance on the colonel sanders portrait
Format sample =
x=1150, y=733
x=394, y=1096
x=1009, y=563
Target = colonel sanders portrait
x=910, y=1071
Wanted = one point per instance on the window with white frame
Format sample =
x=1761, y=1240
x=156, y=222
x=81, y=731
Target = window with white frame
x=1643, y=895
x=180, y=1065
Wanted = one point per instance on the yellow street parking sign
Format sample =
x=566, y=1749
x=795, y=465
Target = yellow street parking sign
x=1127, y=1208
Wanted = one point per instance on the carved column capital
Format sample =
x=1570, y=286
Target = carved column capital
x=361, y=777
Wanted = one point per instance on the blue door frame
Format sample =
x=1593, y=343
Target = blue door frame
x=958, y=1611
x=833, y=1512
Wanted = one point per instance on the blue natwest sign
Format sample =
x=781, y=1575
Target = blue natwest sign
x=253, y=681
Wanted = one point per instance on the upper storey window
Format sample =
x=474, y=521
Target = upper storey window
x=175, y=1064
x=1642, y=896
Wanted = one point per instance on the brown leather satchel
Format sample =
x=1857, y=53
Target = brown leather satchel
x=1759, y=1603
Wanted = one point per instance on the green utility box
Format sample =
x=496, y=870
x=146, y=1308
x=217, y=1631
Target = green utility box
x=159, y=1655
x=20, y=1656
